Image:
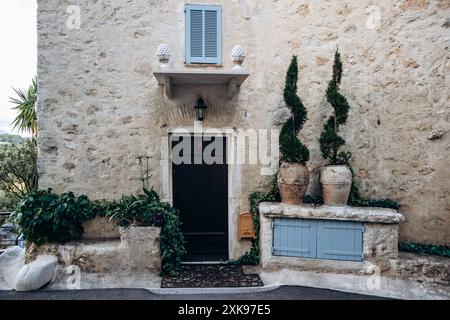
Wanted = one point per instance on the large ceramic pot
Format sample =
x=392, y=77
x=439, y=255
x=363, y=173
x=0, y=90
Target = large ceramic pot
x=293, y=179
x=336, y=182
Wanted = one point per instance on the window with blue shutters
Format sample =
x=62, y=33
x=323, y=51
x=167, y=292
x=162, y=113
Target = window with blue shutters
x=203, y=34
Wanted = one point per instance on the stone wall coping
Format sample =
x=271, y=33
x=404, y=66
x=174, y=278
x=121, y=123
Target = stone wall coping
x=306, y=211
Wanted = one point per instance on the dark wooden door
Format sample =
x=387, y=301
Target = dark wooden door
x=200, y=193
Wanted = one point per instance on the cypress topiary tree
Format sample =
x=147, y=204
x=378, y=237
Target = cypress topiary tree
x=330, y=141
x=292, y=150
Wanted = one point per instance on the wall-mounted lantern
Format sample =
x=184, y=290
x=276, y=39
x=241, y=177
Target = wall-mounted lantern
x=200, y=109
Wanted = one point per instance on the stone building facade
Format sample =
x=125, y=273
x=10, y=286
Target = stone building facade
x=100, y=106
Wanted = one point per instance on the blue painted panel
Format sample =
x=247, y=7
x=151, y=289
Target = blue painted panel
x=322, y=239
x=294, y=237
x=203, y=34
x=339, y=240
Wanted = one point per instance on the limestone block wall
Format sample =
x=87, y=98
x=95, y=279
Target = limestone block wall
x=99, y=105
x=137, y=250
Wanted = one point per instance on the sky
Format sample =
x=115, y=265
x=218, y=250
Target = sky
x=18, y=54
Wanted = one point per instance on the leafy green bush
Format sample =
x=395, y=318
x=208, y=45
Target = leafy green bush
x=148, y=210
x=47, y=217
x=140, y=210
x=7, y=201
x=292, y=150
x=443, y=251
x=18, y=169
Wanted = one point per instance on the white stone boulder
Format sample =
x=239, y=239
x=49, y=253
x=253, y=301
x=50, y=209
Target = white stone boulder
x=11, y=261
x=36, y=274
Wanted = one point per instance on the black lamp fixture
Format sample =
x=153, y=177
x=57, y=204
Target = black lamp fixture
x=200, y=109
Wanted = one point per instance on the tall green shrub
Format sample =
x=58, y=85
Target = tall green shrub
x=330, y=141
x=292, y=150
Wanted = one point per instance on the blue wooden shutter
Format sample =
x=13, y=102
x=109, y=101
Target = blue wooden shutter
x=294, y=237
x=339, y=240
x=203, y=34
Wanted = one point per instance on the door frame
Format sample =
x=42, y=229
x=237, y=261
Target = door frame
x=233, y=176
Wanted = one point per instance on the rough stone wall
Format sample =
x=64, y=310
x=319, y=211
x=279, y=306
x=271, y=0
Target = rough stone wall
x=99, y=105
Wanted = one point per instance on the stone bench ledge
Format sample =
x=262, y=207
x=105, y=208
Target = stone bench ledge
x=306, y=211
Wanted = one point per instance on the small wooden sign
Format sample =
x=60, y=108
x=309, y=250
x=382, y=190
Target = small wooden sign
x=246, y=228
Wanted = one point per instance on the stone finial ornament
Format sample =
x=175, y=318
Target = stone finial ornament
x=238, y=55
x=163, y=54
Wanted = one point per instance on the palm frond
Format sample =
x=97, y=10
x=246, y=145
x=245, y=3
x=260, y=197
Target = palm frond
x=25, y=104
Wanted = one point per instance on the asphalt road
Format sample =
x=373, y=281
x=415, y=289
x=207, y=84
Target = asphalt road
x=282, y=293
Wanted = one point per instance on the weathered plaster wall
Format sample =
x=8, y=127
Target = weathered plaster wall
x=99, y=105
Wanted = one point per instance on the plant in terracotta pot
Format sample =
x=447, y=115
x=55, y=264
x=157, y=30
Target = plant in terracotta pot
x=335, y=178
x=293, y=176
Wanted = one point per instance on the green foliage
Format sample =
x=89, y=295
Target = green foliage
x=11, y=138
x=330, y=141
x=148, y=210
x=172, y=242
x=292, y=150
x=314, y=201
x=7, y=201
x=25, y=102
x=140, y=210
x=18, y=169
x=47, y=217
x=443, y=251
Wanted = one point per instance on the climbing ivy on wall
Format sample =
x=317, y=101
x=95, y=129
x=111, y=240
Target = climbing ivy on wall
x=252, y=257
x=443, y=251
x=292, y=150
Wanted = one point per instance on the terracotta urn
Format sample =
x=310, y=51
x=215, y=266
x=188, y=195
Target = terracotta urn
x=293, y=179
x=336, y=182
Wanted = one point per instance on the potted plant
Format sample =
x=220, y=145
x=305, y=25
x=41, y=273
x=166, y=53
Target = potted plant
x=335, y=178
x=293, y=175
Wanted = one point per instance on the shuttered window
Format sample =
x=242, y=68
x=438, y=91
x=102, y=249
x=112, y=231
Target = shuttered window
x=321, y=239
x=203, y=34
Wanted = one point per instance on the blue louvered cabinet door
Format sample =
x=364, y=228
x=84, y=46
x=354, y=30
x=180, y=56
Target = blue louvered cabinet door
x=339, y=240
x=320, y=239
x=203, y=34
x=294, y=237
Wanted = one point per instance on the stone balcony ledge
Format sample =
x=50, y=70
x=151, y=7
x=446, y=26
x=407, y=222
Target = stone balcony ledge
x=306, y=211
